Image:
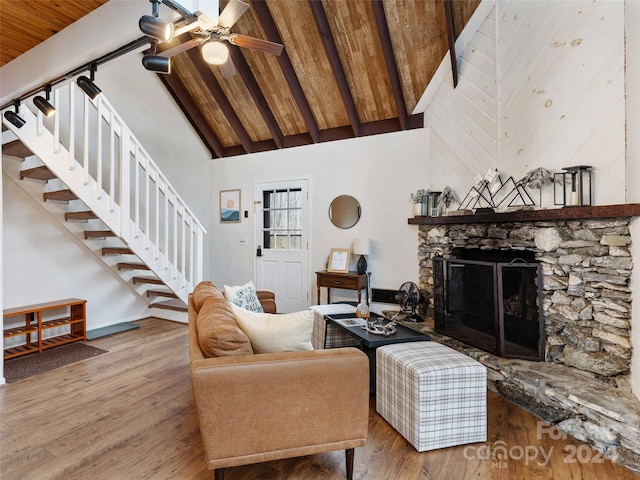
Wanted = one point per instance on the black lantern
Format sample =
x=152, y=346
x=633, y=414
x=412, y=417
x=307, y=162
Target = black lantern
x=573, y=187
x=432, y=204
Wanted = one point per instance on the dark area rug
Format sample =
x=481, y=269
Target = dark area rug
x=27, y=366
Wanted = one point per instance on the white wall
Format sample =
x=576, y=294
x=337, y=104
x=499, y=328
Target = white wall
x=43, y=262
x=551, y=77
x=541, y=87
x=632, y=32
x=380, y=171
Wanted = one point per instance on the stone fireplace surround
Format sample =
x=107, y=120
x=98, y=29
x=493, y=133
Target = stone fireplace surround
x=583, y=386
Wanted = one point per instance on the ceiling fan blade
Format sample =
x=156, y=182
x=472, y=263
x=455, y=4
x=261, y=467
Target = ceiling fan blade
x=183, y=47
x=227, y=69
x=232, y=12
x=255, y=43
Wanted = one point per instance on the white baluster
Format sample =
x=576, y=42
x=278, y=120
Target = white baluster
x=99, y=153
x=85, y=141
x=147, y=204
x=112, y=163
x=56, y=122
x=72, y=128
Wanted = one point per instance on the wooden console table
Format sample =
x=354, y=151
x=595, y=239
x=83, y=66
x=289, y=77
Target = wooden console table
x=347, y=281
x=35, y=325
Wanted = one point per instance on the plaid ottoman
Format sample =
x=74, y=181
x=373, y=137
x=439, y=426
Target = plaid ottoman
x=434, y=396
x=327, y=335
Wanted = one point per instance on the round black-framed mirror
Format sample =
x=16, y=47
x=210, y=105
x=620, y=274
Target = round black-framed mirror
x=344, y=211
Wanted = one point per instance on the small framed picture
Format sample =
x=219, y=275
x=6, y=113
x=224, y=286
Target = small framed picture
x=435, y=212
x=229, y=206
x=339, y=260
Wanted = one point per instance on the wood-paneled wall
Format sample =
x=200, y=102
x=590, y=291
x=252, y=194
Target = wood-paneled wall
x=544, y=86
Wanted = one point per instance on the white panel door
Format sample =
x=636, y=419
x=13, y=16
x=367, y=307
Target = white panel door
x=281, y=240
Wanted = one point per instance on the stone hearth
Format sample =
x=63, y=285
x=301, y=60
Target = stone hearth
x=583, y=386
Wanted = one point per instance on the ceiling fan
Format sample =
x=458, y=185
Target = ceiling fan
x=206, y=33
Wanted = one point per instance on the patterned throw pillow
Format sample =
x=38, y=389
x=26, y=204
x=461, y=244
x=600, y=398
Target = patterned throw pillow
x=244, y=296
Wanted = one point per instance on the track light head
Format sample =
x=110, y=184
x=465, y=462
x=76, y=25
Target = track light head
x=157, y=64
x=44, y=106
x=215, y=52
x=14, y=119
x=156, y=28
x=88, y=87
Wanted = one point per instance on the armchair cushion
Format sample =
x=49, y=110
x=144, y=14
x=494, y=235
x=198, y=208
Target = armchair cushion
x=218, y=332
x=244, y=296
x=276, y=333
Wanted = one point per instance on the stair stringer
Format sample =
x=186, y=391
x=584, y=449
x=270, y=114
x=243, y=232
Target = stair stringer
x=34, y=189
x=59, y=160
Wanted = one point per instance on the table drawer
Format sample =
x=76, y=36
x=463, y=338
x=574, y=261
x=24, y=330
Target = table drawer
x=338, y=281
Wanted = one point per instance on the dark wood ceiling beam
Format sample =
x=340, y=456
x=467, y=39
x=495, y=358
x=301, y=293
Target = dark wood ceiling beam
x=256, y=93
x=390, y=61
x=268, y=24
x=452, y=41
x=182, y=97
x=332, y=134
x=322, y=23
x=223, y=102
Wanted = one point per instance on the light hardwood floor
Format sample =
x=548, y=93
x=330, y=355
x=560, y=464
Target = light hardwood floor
x=128, y=415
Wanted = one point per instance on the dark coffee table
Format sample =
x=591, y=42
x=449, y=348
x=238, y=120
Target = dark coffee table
x=368, y=342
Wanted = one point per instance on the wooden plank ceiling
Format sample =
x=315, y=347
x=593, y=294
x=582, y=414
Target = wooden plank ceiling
x=349, y=68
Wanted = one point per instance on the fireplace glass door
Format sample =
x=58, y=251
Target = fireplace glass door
x=490, y=305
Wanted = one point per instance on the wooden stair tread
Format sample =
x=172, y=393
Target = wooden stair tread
x=89, y=234
x=176, y=305
x=116, y=251
x=16, y=149
x=161, y=293
x=80, y=216
x=60, y=196
x=132, y=266
x=38, y=173
x=149, y=280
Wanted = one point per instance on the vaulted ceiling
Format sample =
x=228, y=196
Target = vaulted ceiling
x=349, y=68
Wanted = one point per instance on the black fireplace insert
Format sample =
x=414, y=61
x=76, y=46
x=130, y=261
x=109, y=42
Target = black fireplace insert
x=491, y=300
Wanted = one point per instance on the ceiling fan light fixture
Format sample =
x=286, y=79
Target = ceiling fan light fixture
x=215, y=52
x=157, y=64
x=156, y=28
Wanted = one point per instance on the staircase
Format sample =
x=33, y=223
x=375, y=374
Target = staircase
x=88, y=170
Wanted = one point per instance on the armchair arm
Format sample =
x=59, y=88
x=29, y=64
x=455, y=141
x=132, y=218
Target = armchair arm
x=255, y=408
x=268, y=300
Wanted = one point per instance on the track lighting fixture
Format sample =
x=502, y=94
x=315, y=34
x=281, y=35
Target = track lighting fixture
x=87, y=85
x=156, y=63
x=154, y=27
x=215, y=52
x=13, y=118
x=43, y=103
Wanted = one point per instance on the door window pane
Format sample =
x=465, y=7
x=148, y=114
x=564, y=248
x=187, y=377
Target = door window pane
x=282, y=219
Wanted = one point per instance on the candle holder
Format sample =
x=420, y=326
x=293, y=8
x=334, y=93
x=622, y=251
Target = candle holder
x=573, y=187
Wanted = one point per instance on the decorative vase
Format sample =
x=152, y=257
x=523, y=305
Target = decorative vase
x=417, y=209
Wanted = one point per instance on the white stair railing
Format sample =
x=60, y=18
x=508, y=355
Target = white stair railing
x=88, y=146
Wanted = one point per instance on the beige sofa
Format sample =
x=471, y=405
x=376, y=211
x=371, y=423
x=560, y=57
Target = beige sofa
x=258, y=407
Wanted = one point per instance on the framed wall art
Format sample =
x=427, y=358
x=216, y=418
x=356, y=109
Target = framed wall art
x=339, y=260
x=229, y=206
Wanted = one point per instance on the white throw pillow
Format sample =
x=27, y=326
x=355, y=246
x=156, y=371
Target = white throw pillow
x=270, y=332
x=244, y=296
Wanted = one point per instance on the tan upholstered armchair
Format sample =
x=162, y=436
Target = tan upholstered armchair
x=259, y=407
